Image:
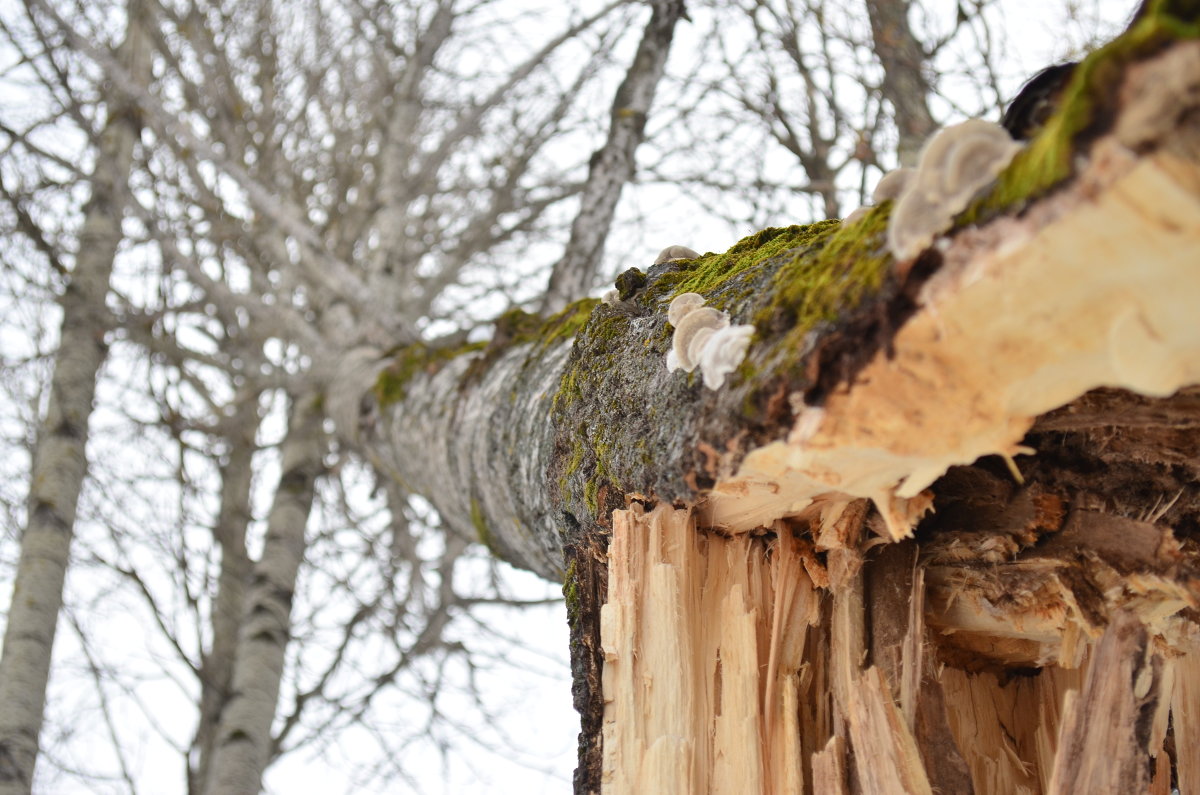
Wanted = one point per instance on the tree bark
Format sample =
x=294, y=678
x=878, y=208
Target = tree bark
x=244, y=745
x=59, y=454
x=873, y=391
x=233, y=518
x=905, y=86
x=615, y=163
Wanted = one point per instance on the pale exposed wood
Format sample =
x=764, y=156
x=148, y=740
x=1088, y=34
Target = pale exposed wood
x=847, y=624
x=829, y=768
x=986, y=717
x=1185, y=716
x=884, y=750
x=1104, y=742
x=1043, y=644
x=912, y=666
x=1007, y=730
x=944, y=762
x=1025, y=315
x=703, y=655
x=795, y=608
x=817, y=711
x=1045, y=605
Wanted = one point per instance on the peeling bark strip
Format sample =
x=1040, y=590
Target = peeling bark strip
x=59, y=458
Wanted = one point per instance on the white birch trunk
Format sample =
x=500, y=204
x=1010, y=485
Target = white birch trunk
x=614, y=164
x=904, y=67
x=59, y=455
x=216, y=670
x=244, y=744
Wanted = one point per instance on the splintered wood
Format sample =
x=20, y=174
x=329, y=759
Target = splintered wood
x=796, y=631
x=726, y=670
x=704, y=646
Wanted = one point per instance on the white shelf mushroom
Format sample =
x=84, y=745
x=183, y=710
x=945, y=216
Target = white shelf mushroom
x=681, y=305
x=892, y=184
x=672, y=253
x=690, y=326
x=723, y=352
x=955, y=164
x=914, y=223
x=705, y=339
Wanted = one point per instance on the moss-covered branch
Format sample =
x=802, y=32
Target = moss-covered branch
x=543, y=432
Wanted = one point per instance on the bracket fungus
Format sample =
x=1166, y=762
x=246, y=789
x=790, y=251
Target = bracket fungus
x=683, y=304
x=688, y=331
x=704, y=338
x=955, y=164
x=722, y=352
x=672, y=253
x=890, y=186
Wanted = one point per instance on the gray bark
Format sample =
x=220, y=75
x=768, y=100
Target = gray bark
x=216, y=669
x=905, y=86
x=527, y=443
x=485, y=448
x=244, y=746
x=59, y=455
x=614, y=164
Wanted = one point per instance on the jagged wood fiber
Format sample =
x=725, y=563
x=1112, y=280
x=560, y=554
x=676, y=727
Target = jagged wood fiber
x=976, y=566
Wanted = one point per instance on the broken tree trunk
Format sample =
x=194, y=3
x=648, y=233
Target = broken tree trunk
x=1038, y=634
x=938, y=527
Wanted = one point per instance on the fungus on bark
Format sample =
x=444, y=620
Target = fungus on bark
x=955, y=165
x=671, y=253
x=705, y=339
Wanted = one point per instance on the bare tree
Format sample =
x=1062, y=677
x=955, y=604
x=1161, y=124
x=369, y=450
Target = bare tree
x=352, y=211
x=905, y=85
x=614, y=164
x=59, y=457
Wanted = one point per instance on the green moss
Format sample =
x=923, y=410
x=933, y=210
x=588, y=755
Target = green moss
x=517, y=324
x=629, y=283
x=821, y=282
x=411, y=360
x=570, y=591
x=514, y=327
x=576, y=460
x=482, y=531
x=591, y=493
x=1084, y=109
x=568, y=389
x=712, y=271
x=518, y=327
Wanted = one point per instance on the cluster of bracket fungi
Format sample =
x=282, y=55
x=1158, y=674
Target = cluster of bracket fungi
x=955, y=164
x=704, y=338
